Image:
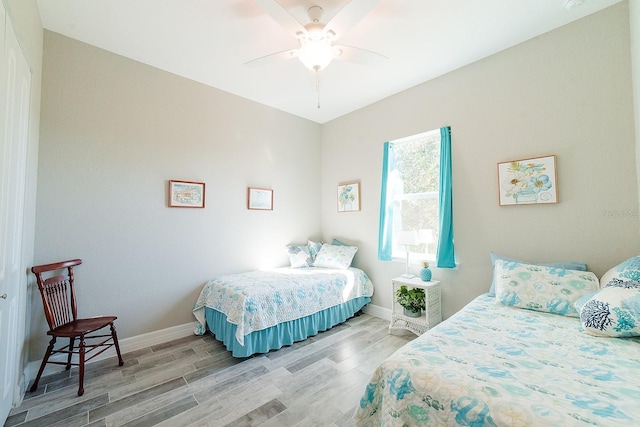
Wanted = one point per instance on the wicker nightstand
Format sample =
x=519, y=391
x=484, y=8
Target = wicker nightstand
x=429, y=317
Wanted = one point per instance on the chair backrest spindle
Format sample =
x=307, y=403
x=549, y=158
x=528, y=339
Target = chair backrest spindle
x=57, y=292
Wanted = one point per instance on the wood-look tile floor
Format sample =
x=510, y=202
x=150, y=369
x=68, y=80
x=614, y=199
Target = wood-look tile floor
x=194, y=381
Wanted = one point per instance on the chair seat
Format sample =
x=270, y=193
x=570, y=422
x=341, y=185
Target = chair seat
x=82, y=326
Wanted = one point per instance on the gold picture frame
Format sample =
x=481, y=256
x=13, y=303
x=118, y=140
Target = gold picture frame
x=186, y=194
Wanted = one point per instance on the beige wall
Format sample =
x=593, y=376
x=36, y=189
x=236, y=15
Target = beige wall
x=113, y=132
x=634, y=19
x=565, y=93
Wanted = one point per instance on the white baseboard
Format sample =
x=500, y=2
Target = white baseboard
x=376, y=310
x=126, y=345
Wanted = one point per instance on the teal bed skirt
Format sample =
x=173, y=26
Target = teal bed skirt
x=283, y=334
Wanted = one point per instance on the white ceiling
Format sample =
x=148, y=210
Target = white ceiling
x=209, y=41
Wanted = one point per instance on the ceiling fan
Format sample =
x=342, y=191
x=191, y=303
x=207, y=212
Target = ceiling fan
x=316, y=40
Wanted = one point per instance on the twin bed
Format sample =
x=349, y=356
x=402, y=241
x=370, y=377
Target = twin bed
x=265, y=310
x=259, y=311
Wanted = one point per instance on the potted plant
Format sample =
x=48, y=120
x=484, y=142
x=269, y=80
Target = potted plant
x=412, y=300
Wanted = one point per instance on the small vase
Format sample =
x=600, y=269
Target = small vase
x=425, y=274
x=526, y=196
x=410, y=313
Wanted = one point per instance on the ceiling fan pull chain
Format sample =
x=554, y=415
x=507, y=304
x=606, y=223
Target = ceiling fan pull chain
x=318, y=84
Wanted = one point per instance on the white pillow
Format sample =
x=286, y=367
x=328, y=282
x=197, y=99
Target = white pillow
x=540, y=288
x=613, y=311
x=335, y=256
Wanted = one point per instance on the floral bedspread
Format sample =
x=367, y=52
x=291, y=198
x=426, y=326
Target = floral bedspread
x=260, y=299
x=493, y=365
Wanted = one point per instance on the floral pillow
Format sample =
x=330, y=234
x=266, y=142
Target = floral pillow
x=568, y=265
x=627, y=270
x=540, y=288
x=335, y=256
x=314, y=248
x=299, y=256
x=613, y=311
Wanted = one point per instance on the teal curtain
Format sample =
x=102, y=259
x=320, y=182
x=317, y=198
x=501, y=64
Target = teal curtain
x=445, y=256
x=385, y=234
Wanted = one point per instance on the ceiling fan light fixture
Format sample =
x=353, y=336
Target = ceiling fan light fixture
x=314, y=30
x=315, y=54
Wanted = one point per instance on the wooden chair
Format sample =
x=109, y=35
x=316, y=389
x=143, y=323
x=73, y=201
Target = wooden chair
x=61, y=312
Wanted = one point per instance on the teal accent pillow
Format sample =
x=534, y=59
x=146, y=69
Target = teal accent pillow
x=299, y=256
x=567, y=265
x=613, y=311
x=335, y=256
x=625, y=271
x=540, y=288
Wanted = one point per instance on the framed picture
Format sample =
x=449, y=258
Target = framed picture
x=186, y=194
x=349, y=196
x=528, y=181
x=260, y=199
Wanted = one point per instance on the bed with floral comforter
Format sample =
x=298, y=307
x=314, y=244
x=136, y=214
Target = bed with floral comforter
x=258, y=311
x=496, y=365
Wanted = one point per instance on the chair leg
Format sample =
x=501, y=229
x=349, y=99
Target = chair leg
x=114, y=335
x=81, y=350
x=45, y=359
x=71, y=342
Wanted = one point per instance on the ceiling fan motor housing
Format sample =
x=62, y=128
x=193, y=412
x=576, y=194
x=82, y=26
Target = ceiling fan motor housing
x=315, y=13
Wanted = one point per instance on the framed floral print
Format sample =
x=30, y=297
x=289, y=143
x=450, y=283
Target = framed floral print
x=186, y=194
x=349, y=197
x=528, y=181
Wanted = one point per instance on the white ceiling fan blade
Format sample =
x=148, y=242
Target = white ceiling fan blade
x=349, y=15
x=282, y=16
x=273, y=57
x=358, y=55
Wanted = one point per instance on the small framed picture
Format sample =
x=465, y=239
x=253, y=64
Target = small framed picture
x=349, y=196
x=259, y=199
x=528, y=181
x=186, y=194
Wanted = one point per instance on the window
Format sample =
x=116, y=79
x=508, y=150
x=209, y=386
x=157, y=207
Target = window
x=416, y=198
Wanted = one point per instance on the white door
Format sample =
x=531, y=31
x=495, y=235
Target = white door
x=15, y=86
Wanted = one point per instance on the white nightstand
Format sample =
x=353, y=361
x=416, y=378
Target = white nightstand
x=429, y=318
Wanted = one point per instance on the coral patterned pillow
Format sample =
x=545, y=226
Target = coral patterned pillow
x=627, y=270
x=613, y=311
